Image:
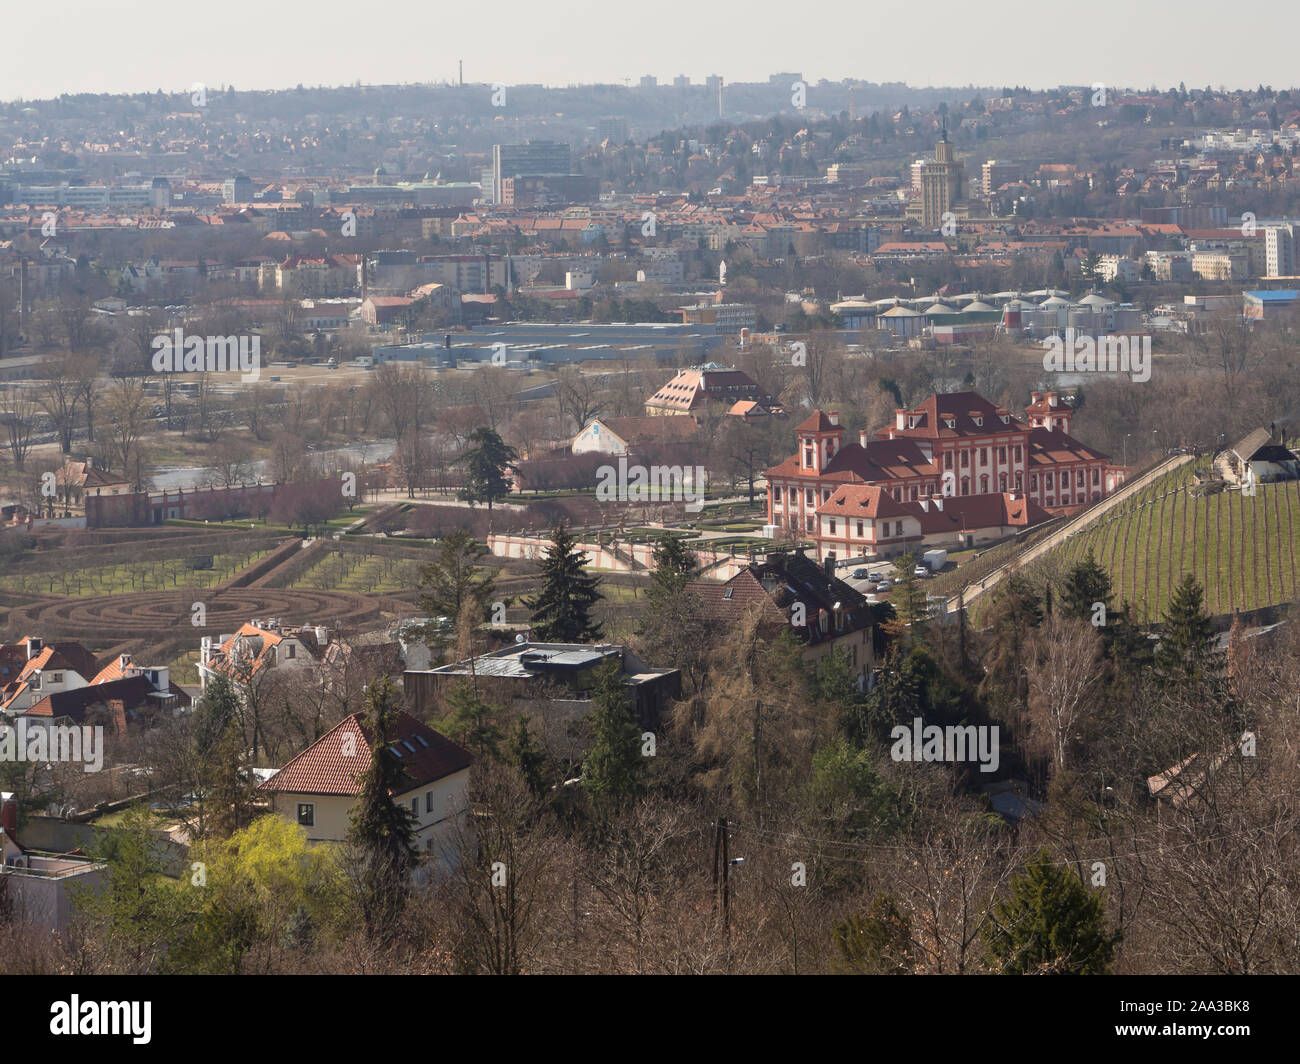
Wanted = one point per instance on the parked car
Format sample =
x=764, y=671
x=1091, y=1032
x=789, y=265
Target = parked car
x=884, y=585
x=859, y=574
x=877, y=576
x=921, y=571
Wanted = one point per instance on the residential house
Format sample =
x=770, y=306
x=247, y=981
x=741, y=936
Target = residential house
x=31, y=669
x=825, y=613
x=318, y=788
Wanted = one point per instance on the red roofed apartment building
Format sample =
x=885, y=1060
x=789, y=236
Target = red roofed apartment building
x=691, y=390
x=318, y=787
x=954, y=469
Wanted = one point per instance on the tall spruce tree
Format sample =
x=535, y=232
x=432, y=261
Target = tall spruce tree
x=381, y=832
x=908, y=600
x=673, y=566
x=1049, y=925
x=469, y=721
x=1186, y=651
x=1086, y=584
x=455, y=576
x=486, y=463
x=612, y=769
x=216, y=711
x=672, y=626
x=526, y=757
x=562, y=609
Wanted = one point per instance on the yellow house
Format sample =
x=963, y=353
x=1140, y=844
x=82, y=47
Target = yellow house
x=319, y=786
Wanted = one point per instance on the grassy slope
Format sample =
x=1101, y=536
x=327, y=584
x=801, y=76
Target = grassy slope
x=1241, y=548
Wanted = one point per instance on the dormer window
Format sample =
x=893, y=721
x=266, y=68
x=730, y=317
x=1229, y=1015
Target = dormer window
x=979, y=421
x=950, y=422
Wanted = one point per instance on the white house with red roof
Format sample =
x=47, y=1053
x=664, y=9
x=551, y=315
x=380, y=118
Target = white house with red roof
x=31, y=670
x=318, y=788
x=257, y=648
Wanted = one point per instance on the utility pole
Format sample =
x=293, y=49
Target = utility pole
x=575, y=921
x=961, y=624
x=721, y=875
x=726, y=883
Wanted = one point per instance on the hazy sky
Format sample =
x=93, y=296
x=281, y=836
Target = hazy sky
x=136, y=45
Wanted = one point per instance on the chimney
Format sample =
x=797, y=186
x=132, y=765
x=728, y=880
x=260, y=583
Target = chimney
x=834, y=415
x=117, y=714
x=900, y=419
x=828, y=567
x=862, y=439
x=8, y=813
x=1034, y=397
x=1051, y=399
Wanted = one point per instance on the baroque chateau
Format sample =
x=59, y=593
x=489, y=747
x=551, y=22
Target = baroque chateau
x=955, y=470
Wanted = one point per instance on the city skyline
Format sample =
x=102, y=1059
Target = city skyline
x=1112, y=45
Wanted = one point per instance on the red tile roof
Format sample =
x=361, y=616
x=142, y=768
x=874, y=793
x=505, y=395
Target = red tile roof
x=818, y=422
x=864, y=500
x=336, y=762
x=961, y=408
x=1055, y=448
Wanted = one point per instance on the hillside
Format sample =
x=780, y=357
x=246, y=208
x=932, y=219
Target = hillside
x=1241, y=548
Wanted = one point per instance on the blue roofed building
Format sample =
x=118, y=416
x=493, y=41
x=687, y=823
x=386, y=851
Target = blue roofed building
x=1268, y=305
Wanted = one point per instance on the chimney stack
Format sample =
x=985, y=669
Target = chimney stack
x=862, y=438
x=834, y=415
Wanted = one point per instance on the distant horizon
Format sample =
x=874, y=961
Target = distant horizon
x=1113, y=42
x=663, y=83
